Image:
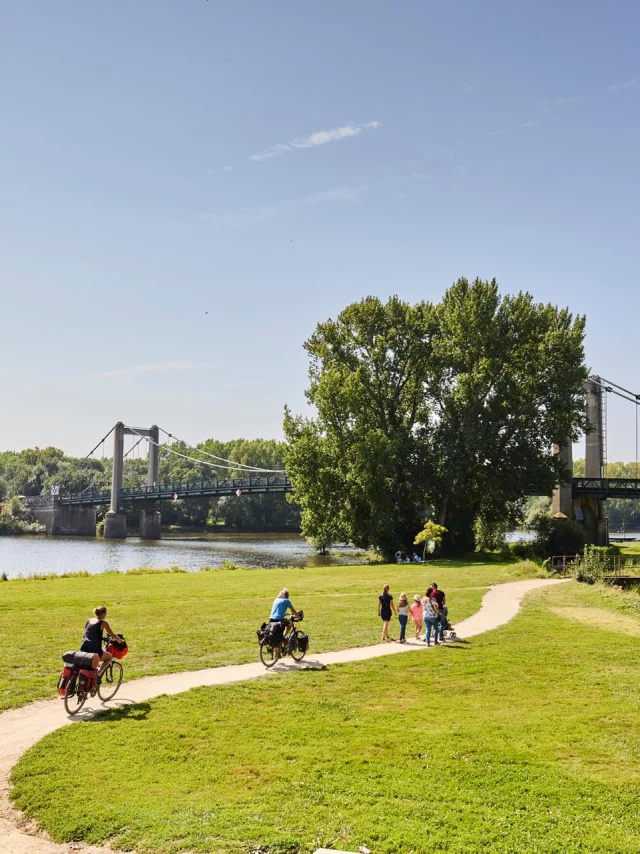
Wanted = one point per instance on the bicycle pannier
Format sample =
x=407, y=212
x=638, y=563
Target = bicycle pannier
x=64, y=679
x=303, y=642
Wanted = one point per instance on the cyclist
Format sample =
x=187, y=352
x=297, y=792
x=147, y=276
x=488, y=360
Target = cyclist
x=282, y=604
x=92, y=640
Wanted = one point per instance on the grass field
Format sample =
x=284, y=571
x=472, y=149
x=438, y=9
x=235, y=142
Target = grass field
x=186, y=621
x=525, y=739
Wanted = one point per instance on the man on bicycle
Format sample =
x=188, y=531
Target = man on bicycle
x=282, y=604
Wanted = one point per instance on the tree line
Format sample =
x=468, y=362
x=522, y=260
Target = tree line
x=35, y=471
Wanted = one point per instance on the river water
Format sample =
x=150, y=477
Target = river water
x=26, y=555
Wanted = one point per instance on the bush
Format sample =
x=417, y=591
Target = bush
x=557, y=536
x=100, y=528
x=522, y=549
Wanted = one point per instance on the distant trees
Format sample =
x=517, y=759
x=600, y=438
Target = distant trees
x=35, y=471
x=444, y=411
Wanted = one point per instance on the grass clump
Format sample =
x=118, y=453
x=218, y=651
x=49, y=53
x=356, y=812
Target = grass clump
x=523, y=740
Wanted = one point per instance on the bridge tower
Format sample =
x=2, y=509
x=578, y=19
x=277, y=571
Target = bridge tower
x=592, y=510
x=115, y=522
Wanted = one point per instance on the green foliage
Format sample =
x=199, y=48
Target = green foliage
x=522, y=549
x=557, y=536
x=35, y=471
x=593, y=565
x=446, y=410
x=525, y=742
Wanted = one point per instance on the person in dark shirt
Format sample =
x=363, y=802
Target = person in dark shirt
x=441, y=599
x=385, y=609
x=92, y=640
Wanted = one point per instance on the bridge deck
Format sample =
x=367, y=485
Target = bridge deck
x=168, y=491
x=581, y=487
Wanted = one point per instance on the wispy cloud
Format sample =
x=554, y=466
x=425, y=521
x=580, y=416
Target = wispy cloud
x=465, y=88
x=512, y=128
x=227, y=168
x=255, y=213
x=559, y=102
x=319, y=137
x=628, y=84
x=156, y=367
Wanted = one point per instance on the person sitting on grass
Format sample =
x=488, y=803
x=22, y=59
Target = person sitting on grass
x=282, y=604
x=92, y=640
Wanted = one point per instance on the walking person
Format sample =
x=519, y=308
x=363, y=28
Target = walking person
x=385, y=610
x=441, y=599
x=403, y=616
x=416, y=613
x=430, y=613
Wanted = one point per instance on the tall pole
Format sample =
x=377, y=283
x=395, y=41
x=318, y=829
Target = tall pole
x=118, y=453
x=154, y=452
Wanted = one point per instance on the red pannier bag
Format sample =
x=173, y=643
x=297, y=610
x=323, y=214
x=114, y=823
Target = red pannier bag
x=64, y=679
x=87, y=680
x=118, y=647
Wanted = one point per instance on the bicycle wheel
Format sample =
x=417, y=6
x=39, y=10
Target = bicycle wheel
x=296, y=653
x=110, y=681
x=269, y=654
x=73, y=699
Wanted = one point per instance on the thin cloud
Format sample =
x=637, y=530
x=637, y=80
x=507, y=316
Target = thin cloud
x=559, y=102
x=320, y=137
x=255, y=213
x=628, y=84
x=227, y=168
x=465, y=88
x=512, y=128
x=155, y=368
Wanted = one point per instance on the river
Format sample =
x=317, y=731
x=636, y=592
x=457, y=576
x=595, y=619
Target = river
x=26, y=555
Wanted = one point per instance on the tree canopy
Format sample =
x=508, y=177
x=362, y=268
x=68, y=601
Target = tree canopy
x=445, y=411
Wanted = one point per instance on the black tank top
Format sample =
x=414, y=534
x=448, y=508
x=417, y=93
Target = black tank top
x=92, y=640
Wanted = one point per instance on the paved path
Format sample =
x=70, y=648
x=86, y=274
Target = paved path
x=20, y=729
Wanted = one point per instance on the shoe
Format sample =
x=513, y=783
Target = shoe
x=436, y=643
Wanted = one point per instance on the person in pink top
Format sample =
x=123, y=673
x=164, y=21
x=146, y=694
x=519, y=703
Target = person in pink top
x=416, y=614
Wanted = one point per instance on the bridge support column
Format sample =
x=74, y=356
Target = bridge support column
x=562, y=501
x=594, y=509
x=115, y=521
x=62, y=520
x=150, y=523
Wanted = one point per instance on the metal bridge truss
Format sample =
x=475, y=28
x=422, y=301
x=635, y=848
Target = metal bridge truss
x=168, y=491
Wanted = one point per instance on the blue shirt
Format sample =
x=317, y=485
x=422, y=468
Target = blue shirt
x=279, y=609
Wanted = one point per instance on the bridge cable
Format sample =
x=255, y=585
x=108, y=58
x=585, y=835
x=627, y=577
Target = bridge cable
x=233, y=465
x=185, y=457
x=631, y=397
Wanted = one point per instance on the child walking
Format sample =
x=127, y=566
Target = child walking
x=416, y=614
x=403, y=615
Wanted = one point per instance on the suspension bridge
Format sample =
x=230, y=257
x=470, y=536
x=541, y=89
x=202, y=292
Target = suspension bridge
x=581, y=498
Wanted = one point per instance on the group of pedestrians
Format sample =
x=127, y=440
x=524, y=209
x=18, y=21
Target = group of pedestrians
x=429, y=611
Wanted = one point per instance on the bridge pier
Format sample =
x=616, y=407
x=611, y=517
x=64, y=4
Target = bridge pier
x=62, y=520
x=592, y=510
x=150, y=523
x=115, y=521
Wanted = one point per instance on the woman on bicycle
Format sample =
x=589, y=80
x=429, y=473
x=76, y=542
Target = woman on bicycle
x=92, y=640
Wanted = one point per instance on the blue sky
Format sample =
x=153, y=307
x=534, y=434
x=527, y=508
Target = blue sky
x=189, y=187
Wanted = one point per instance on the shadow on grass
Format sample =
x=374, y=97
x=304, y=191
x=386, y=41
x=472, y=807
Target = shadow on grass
x=123, y=709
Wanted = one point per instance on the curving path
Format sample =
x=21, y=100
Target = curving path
x=20, y=729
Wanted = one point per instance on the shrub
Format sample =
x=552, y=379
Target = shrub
x=522, y=549
x=100, y=528
x=557, y=536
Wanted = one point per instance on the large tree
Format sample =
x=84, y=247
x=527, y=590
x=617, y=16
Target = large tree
x=446, y=411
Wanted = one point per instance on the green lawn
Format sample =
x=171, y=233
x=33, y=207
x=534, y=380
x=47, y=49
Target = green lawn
x=522, y=740
x=186, y=621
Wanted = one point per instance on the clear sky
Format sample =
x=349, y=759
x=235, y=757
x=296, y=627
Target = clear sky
x=188, y=187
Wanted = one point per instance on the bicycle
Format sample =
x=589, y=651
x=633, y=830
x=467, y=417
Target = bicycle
x=106, y=685
x=295, y=644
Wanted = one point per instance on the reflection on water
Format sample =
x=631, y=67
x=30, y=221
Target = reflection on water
x=54, y=555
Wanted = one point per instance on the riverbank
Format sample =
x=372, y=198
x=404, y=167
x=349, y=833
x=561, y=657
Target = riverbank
x=28, y=555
